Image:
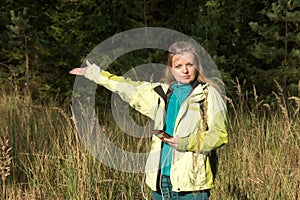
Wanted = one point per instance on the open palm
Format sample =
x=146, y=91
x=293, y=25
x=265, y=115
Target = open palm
x=81, y=70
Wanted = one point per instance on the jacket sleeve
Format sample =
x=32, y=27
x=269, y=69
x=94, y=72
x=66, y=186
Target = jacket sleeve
x=140, y=95
x=217, y=133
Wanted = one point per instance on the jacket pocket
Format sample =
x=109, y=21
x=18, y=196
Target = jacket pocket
x=188, y=171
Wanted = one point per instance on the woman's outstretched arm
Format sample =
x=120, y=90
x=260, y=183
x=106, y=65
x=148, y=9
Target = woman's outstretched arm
x=139, y=94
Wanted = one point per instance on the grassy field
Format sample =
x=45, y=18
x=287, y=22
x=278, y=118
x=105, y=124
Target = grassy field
x=43, y=158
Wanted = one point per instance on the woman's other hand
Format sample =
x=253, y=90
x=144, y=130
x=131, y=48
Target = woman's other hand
x=80, y=71
x=173, y=142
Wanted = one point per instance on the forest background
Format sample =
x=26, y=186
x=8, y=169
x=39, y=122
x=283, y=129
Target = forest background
x=255, y=44
x=41, y=41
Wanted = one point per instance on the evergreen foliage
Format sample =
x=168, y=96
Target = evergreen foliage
x=41, y=41
x=278, y=43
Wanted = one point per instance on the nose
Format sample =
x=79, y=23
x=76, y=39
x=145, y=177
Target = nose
x=185, y=69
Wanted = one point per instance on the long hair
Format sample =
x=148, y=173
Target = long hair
x=182, y=47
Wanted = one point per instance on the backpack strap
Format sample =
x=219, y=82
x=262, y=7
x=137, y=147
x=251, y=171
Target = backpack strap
x=163, y=95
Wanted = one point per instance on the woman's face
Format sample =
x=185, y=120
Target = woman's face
x=183, y=67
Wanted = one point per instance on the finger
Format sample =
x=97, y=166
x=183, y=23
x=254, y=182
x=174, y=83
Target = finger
x=88, y=63
x=73, y=71
x=76, y=71
x=167, y=140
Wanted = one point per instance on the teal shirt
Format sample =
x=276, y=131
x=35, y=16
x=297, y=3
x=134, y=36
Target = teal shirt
x=180, y=93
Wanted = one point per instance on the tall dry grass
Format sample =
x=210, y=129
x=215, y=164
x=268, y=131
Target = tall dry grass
x=49, y=160
x=261, y=160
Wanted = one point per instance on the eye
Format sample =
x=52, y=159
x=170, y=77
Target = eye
x=178, y=66
x=190, y=65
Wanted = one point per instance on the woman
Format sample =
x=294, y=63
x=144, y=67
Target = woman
x=190, y=109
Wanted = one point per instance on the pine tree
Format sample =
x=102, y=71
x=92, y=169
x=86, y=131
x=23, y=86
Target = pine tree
x=278, y=43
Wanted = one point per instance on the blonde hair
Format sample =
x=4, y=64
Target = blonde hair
x=183, y=47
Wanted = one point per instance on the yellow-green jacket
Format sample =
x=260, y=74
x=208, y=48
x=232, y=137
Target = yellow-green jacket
x=191, y=168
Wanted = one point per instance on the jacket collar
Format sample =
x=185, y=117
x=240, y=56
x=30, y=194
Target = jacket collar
x=197, y=89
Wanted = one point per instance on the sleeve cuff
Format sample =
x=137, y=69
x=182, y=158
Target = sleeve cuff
x=182, y=143
x=93, y=73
